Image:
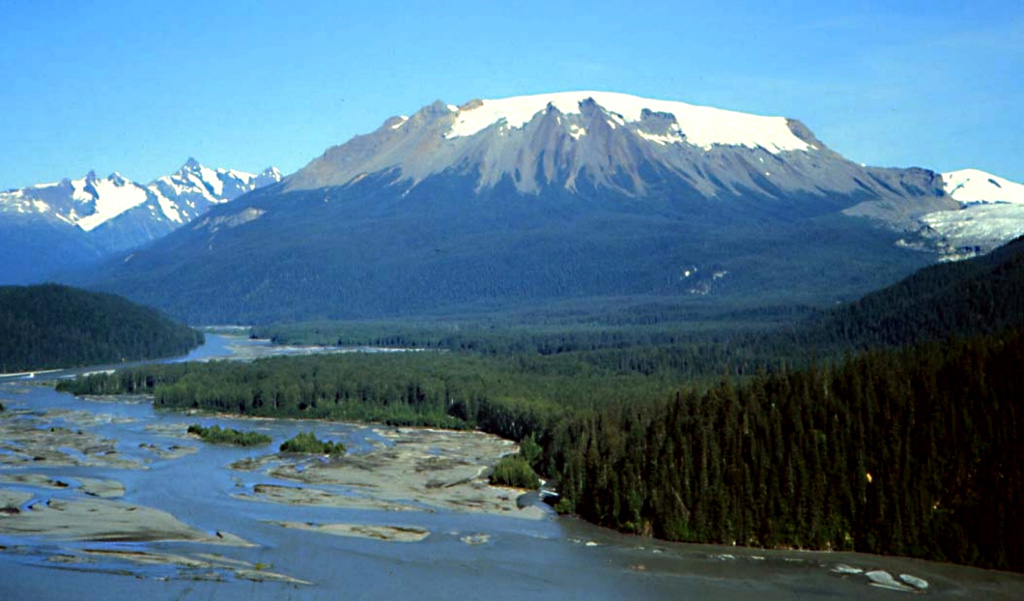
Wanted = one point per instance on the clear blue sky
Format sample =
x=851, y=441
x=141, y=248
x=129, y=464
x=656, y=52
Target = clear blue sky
x=138, y=87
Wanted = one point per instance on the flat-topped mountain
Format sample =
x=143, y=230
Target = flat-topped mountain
x=533, y=199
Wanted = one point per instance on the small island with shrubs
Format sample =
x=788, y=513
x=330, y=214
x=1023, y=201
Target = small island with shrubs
x=514, y=471
x=218, y=435
x=307, y=442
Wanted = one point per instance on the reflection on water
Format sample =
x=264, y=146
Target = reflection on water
x=464, y=555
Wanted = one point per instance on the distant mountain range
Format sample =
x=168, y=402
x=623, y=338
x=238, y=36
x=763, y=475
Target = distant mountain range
x=60, y=225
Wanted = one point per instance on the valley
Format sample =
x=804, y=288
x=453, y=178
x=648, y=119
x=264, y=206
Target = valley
x=332, y=532
x=738, y=360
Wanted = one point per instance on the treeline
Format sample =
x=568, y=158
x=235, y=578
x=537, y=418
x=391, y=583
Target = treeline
x=49, y=326
x=508, y=340
x=422, y=389
x=683, y=352
x=917, y=452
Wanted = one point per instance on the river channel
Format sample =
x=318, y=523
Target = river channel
x=233, y=537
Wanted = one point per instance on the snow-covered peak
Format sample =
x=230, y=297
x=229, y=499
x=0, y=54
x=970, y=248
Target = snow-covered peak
x=973, y=186
x=697, y=125
x=272, y=172
x=100, y=200
x=191, y=190
x=270, y=175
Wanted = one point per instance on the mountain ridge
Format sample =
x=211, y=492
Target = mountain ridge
x=91, y=217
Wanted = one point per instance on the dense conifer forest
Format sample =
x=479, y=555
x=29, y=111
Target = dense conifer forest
x=50, y=326
x=891, y=425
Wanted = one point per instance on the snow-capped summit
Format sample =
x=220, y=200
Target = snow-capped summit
x=699, y=126
x=270, y=175
x=192, y=189
x=970, y=186
x=589, y=140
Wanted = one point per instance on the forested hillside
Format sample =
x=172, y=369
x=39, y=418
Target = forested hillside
x=915, y=452
x=50, y=326
x=979, y=296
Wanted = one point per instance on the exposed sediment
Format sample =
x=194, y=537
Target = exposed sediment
x=402, y=534
x=95, y=519
x=422, y=469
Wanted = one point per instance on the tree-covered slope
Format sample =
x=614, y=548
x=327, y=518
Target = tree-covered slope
x=969, y=298
x=914, y=452
x=371, y=251
x=51, y=326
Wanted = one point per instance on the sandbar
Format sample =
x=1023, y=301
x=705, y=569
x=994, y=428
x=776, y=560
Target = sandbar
x=422, y=469
x=402, y=534
x=95, y=519
x=95, y=487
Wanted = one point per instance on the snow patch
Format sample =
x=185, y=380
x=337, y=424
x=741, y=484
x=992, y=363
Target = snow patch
x=211, y=177
x=167, y=206
x=113, y=197
x=78, y=191
x=663, y=140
